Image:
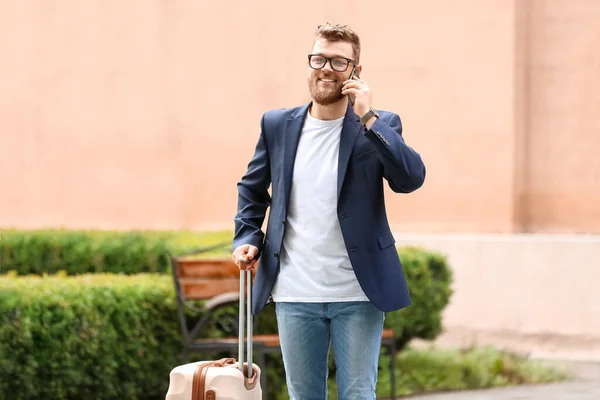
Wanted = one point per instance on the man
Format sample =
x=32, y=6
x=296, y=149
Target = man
x=328, y=259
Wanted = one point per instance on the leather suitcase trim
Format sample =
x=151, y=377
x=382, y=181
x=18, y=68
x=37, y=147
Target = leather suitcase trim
x=199, y=380
x=250, y=383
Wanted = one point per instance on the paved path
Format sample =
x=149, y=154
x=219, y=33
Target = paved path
x=559, y=391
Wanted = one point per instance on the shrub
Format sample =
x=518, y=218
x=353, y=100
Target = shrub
x=79, y=252
x=66, y=337
x=429, y=281
x=91, y=337
x=103, y=336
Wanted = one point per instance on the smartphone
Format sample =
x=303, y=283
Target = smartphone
x=352, y=74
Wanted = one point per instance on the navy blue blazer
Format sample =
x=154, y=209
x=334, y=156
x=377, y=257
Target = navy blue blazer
x=366, y=158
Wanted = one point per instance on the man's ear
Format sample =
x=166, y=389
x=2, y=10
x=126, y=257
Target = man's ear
x=358, y=71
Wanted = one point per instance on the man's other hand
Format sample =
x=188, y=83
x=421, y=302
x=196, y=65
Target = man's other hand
x=245, y=257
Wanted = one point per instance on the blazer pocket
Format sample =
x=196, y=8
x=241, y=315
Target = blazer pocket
x=363, y=156
x=386, y=240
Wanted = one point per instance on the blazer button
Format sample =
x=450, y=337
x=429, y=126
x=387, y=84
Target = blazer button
x=343, y=216
x=283, y=222
x=276, y=255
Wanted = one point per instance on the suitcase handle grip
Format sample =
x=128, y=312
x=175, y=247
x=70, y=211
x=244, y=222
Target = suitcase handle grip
x=247, y=320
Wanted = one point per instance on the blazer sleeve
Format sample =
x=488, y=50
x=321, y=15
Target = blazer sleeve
x=403, y=167
x=253, y=196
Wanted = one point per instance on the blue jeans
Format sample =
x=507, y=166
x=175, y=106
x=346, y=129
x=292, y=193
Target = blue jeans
x=306, y=331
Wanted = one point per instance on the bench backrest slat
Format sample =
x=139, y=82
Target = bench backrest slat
x=202, y=279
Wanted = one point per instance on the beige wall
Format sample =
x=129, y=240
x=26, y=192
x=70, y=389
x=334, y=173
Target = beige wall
x=531, y=284
x=563, y=168
x=144, y=114
x=530, y=293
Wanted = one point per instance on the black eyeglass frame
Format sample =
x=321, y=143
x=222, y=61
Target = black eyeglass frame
x=329, y=60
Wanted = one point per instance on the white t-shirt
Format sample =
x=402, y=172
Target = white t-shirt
x=315, y=266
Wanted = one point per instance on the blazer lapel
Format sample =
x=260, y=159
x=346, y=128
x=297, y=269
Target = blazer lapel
x=291, y=136
x=350, y=131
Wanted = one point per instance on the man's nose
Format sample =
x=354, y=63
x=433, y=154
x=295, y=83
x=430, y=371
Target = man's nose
x=328, y=67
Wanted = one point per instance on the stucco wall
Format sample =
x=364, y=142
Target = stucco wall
x=144, y=114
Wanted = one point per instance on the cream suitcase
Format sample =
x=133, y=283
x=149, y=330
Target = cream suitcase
x=225, y=379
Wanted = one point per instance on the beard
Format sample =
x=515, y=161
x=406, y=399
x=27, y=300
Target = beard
x=325, y=94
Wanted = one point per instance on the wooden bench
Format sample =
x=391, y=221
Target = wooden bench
x=215, y=282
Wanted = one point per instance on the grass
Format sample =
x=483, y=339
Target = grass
x=435, y=370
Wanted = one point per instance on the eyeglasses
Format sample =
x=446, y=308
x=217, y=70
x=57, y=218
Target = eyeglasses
x=339, y=64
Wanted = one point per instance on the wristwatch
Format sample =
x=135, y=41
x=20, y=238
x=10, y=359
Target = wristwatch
x=368, y=116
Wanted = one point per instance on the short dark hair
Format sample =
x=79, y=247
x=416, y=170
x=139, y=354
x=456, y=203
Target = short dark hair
x=340, y=33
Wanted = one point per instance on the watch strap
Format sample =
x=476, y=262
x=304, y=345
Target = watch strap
x=368, y=116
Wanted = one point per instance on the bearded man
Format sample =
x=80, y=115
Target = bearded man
x=327, y=259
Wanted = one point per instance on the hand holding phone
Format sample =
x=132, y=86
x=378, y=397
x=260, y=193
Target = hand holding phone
x=359, y=94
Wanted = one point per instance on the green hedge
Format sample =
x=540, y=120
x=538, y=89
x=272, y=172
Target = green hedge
x=92, y=337
x=106, y=336
x=79, y=252
x=430, y=281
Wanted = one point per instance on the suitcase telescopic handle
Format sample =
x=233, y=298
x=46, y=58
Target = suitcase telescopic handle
x=245, y=276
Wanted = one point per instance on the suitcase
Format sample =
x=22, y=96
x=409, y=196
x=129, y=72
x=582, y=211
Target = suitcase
x=225, y=379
